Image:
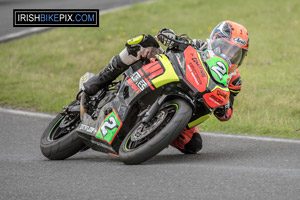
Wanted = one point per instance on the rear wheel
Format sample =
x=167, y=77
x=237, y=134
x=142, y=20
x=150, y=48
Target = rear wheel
x=60, y=140
x=146, y=140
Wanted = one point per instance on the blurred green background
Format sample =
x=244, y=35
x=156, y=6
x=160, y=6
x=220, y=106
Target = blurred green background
x=41, y=72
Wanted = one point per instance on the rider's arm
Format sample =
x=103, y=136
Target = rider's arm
x=165, y=33
x=235, y=83
x=224, y=113
x=143, y=46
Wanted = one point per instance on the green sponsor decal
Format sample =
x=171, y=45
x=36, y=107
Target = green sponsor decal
x=219, y=69
x=109, y=127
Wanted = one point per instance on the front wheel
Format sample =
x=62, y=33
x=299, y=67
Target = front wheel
x=146, y=140
x=60, y=140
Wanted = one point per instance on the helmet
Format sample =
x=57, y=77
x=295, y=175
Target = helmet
x=230, y=39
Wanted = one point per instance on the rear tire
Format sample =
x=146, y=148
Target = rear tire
x=60, y=140
x=162, y=132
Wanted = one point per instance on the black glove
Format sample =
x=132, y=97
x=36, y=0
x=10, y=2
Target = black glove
x=134, y=45
x=163, y=36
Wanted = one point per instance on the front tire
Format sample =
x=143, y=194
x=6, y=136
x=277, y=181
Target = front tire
x=145, y=141
x=60, y=140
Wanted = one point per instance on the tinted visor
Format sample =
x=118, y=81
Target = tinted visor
x=235, y=53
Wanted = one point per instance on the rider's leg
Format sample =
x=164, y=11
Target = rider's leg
x=189, y=141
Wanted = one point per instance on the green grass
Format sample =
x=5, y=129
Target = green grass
x=41, y=72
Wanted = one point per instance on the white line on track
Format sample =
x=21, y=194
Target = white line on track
x=210, y=134
x=23, y=33
x=249, y=137
x=27, y=113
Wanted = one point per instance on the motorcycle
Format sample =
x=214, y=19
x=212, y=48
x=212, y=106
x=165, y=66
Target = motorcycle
x=140, y=115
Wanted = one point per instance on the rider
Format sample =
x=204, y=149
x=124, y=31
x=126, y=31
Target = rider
x=228, y=39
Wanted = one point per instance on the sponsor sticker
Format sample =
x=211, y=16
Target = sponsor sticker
x=239, y=41
x=109, y=127
x=88, y=129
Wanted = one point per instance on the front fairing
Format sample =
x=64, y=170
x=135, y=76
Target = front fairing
x=189, y=72
x=201, y=81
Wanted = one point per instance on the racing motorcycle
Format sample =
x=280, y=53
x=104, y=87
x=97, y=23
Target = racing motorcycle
x=140, y=115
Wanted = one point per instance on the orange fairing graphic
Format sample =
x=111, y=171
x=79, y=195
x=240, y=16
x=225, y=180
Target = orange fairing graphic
x=153, y=70
x=195, y=72
x=216, y=98
x=133, y=85
x=141, y=79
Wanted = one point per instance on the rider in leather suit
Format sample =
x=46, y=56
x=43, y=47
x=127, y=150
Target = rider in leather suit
x=222, y=39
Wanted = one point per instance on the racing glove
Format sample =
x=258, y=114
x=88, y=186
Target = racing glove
x=163, y=36
x=142, y=46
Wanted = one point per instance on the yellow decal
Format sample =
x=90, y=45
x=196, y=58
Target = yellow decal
x=169, y=74
x=221, y=88
x=135, y=40
x=208, y=77
x=199, y=120
x=234, y=91
x=82, y=79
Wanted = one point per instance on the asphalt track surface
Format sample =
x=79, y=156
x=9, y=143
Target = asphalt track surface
x=7, y=6
x=234, y=167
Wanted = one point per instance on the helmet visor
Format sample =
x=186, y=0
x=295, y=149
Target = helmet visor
x=235, y=53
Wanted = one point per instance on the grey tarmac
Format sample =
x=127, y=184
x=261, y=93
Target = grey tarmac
x=233, y=167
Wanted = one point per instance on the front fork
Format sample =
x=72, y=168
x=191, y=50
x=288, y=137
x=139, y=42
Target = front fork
x=153, y=109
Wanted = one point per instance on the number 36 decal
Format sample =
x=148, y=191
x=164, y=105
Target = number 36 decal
x=109, y=127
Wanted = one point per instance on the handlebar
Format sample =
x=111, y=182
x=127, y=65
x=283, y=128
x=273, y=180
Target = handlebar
x=184, y=40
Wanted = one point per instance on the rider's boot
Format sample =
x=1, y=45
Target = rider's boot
x=189, y=141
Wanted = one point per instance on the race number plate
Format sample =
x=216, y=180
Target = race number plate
x=109, y=127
